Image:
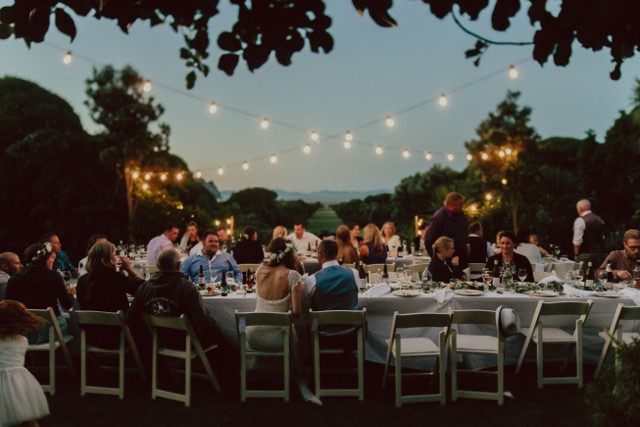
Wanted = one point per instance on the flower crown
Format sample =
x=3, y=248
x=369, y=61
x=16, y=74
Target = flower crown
x=41, y=254
x=278, y=256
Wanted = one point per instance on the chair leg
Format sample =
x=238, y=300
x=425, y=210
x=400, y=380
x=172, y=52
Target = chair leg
x=579, y=358
x=398, y=375
x=454, y=367
x=187, y=374
x=287, y=369
x=603, y=356
x=387, y=362
x=121, y=369
x=360, y=364
x=154, y=365
x=501, y=374
x=540, y=357
x=316, y=362
x=83, y=363
x=243, y=369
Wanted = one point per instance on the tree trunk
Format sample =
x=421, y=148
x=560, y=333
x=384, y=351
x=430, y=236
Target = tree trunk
x=131, y=208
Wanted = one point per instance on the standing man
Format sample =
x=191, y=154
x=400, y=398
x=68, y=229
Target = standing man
x=623, y=261
x=214, y=262
x=9, y=265
x=449, y=221
x=588, y=235
x=160, y=243
x=302, y=239
x=479, y=248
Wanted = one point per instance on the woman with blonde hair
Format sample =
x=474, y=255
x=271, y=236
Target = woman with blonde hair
x=279, y=231
x=389, y=236
x=444, y=266
x=347, y=253
x=372, y=249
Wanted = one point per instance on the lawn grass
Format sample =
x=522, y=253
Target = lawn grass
x=561, y=405
x=324, y=220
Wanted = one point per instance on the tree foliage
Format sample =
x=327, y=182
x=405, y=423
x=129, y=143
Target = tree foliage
x=285, y=27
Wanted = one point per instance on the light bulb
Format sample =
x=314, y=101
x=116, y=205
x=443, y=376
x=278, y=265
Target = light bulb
x=66, y=59
x=163, y=177
x=346, y=144
x=443, y=101
x=264, y=124
x=245, y=166
x=213, y=108
x=406, y=154
x=501, y=153
x=428, y=155
x=314, y=136
x=273, y=158
x=504, y=181
x=378, y=150
x=484, y=156
x=473, y=208
x=306, y=148
x=147, y=176
x=488, y=196
x=450, y=157
x=135, y=175
x=348, y=136
x=469, y=157
x=390, y=122
x=220, y=170
x=513, y=72
x=508, y=151
x=198, y=174
x=146, y=86
x=145, y=186
x=179, y=176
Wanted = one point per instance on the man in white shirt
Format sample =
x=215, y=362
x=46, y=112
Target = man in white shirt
x=588, y=235
x=160, y=243
x=302, y=239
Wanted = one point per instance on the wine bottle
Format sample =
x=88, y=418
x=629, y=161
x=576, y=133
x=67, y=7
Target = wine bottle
x=400, y=250
x=588, y=276
x=250, y=278
x=385, y=274
x=224, y=287
x=309, y=248
x=361, y=273
x=201, y=282
x=495, y=274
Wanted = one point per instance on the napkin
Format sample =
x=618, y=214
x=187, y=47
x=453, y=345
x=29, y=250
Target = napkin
x=634, y=294
x=442, y=295
x=571, y=291
x=549, y=279
x=378, y=290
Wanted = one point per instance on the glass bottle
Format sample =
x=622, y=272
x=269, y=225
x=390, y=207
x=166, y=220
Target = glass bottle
x=201, y=281
x=224, y=287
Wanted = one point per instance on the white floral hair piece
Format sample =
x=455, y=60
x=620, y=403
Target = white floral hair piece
x=42, y=253
x=278, y=256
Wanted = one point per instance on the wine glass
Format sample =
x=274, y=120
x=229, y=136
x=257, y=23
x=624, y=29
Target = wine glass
x=230, y=278
x=66, y=275
x=603, y=278
x=400, y=275
x=522, y=274
x=487, y=277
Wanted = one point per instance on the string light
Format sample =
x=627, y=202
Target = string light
x=504, y=181
x=501, y=153
x=220, y=170
x=273, y=158
x=145, y=186
x=245, y=166
x=264, y=123
x=513, y=72
x=348, y=136
x=306, y=148
x=390, y=122
x=488, y=197
x=378, y=150
x=163, y=177
x=406, y=154
x=198, y=174
x=473, y=208
x=508, y=151
x=67, y=58
x=450, y=157
x=213, y=108
x=135, y=175
x=443, y=100
x=346, y=144
x=428, y=155
x=179, y=176
x=147, y=176
x=469, y=157
x=146, y=86
x=484, y=156
x=315, y=137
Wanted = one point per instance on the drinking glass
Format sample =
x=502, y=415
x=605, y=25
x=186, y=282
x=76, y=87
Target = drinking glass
x=603, y=277
x=487, y=278
x=400, y=275
x=118, y=263
x=230, y=278
x=522, y=274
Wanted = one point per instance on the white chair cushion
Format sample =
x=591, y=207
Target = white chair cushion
x=551, y=335
x=417, y=346
x=476, y=343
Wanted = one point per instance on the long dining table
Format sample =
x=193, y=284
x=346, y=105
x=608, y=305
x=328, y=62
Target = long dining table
x=380, y=311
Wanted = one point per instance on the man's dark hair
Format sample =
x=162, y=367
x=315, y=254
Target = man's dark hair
x=474, y=227
x=329, y=249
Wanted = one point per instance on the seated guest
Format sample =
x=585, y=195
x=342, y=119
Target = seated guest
x=534, y=239
x=527, y=249
x=495, y=247
x=9, y=265
x=479, y=248
x=354, y=229
x=508, y=242
x=223, y=238
x=623, y=261
x=279, y=231
x=347, y=253
x=161, y=242
x=389, y=236
x=62, y=262
x=443, y=267
x=167, y=293
x=372, y=250
x=248, y=249
x=103, y=288
x=82, y=265
x=37, y=286
x=302, y=238
x=214, y=262
x=190, y=238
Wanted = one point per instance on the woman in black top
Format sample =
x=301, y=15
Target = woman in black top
x=507, y=242
x=248, y=250
x=103, y=288
x=443, y=267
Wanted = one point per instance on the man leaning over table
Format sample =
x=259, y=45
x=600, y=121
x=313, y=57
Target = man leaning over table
x=213, y=261
x=161, y=242
x=588, y=235
x=449, y=221
x=623, y=261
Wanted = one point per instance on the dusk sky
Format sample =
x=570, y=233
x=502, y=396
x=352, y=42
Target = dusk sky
x=371, y=73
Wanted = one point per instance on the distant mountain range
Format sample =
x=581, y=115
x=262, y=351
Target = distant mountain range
x=325, y=197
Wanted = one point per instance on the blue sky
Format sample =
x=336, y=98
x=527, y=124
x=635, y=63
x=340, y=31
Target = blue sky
x=371, y=73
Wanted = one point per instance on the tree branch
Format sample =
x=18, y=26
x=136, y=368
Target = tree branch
x=484, y=39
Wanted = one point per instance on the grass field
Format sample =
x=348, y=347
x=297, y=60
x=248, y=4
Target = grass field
x=324, y=220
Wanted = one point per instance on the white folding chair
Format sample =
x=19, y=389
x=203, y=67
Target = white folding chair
x=347, y=318
x=401, y=348
x=90, y=318
x=280, y=320
x=192, y=349
x=622, y=313
x=245, y=267
x=477, y=344
x=417, y=268
x=541, y=335
x=374, y=268
x=349, y=265
x=57, y=340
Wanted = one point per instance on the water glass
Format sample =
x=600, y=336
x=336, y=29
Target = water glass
x=230, y=278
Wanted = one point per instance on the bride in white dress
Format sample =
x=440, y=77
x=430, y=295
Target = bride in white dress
x=280, y=288
x=22, y=400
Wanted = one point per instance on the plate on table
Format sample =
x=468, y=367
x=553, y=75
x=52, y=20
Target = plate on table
x=405, y=293
x=543, y=293
x=606, y=294
x=469, y=292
